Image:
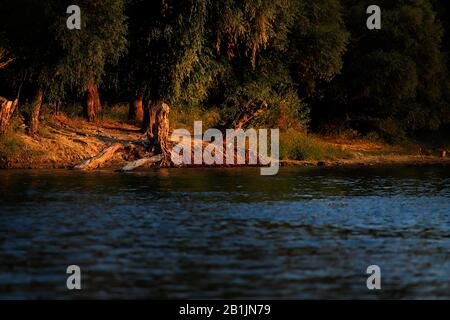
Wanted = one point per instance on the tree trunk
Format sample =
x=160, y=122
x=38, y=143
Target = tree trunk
x=6, y=111
x=161, y=133
x=149, y=122
x=93, y=106
x=136, y=111
x=34, y=119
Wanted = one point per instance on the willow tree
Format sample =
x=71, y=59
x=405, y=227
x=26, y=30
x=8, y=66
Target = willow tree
x=86, y=52
x=165, y=44
x=274, y=52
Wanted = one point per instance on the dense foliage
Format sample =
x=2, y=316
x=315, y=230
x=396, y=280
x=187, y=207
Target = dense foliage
x=302, y=63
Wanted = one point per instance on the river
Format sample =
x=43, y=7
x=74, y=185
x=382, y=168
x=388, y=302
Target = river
x=306, y=233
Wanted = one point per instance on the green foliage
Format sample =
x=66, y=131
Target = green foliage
x=268, y=83
x=101, y=41
x=306, y=59
x=317, y=41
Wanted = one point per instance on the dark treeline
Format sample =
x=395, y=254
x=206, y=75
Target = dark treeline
x=314, y=63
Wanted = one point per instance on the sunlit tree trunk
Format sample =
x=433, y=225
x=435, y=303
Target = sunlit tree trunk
x=93, y=106
x=35, y=113
x=7, y=108
x=161, y=132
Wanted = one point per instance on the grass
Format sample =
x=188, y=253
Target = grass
x=117, y=112
x=10, y=145
x=299, y=146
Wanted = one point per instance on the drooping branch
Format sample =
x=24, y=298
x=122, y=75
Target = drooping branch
x=251, y=116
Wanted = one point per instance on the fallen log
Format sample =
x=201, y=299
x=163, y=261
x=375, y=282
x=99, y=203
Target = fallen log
x=99, y=159
x=141, y=162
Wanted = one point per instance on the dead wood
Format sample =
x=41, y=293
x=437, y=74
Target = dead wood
x=96, y=161
x=141, y=162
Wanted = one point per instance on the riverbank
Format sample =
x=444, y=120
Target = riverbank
x=64, y=143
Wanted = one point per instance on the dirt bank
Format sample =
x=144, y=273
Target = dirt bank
x=64, y=143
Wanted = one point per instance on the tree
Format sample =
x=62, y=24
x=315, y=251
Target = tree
x=165, y=43
x=277, y=51
x=87, y=52
x=393, y=79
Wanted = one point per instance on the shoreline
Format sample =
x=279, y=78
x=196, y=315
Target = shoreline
x=64, y=143
x=375, y=161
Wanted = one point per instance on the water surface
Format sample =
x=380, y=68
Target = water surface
x=306, y=233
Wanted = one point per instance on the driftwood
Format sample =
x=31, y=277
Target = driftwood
x=100, y=158
x=7, y=109
x=141, y=162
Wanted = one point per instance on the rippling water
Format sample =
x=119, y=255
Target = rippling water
x=226, y=233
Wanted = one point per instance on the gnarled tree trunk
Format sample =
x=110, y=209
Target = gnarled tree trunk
x=7, y=108
x=93, y=106
x=149, y=121
x=35, y=113
x=161, y=133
